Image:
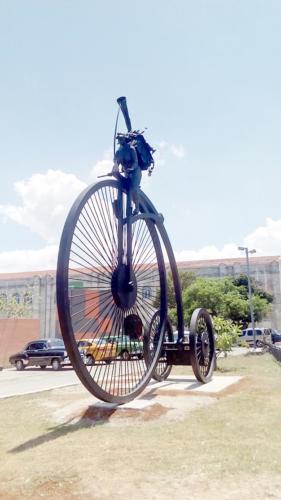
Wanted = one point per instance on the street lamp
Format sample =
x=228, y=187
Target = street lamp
x=247, y=251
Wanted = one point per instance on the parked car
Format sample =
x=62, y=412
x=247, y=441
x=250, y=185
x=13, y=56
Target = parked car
x=275, y=337
x=83, y=345
x=100, y=350
x=126, y=347
x=262, y=334
x=43, y=353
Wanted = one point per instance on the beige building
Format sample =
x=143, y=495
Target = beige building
x=38, y=288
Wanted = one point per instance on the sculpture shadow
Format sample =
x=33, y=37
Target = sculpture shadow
x=94, y=415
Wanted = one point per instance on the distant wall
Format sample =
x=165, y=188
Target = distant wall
x=14, y=334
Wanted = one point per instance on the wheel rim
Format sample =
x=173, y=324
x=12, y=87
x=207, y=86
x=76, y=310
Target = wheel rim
x=89, y=255
x=202, y=345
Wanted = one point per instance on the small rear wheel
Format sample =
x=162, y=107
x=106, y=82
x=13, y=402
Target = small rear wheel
x=162, y=369
x=202, y=345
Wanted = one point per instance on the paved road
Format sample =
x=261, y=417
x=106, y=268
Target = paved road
x=30, y=380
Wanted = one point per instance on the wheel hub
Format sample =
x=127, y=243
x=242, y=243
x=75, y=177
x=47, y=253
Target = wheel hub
x=205, y=344
x=124, y=287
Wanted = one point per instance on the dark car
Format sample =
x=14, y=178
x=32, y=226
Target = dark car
x=43, y=352
x=275, y=337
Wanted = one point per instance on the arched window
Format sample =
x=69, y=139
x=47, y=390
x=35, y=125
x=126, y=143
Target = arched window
x=27, y=298
x=146, y=293
x=16, y=297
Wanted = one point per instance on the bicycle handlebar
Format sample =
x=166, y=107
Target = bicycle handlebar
x=123, y=106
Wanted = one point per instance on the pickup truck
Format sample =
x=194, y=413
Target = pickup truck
x=43, y=353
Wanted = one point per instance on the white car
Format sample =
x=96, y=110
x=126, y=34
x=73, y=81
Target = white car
x=261, y=335
x=185, y=333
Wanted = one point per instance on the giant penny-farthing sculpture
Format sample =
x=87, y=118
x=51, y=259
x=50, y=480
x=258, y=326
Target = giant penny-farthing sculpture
x=112, y=287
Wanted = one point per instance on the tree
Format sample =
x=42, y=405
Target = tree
x=186, y=279
x=225, y=298
x=11, y=307
x=227, y=334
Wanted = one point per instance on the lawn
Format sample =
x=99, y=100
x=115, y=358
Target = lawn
x=228, y=449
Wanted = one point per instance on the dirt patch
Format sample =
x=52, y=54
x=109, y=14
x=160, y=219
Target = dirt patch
x=96, y=414
x=156, y=403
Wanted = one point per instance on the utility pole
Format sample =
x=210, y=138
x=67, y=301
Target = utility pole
x=247, y=252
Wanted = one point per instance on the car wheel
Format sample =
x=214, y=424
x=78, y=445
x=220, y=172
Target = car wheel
x=56, y=364
x=90, y=360
x=125, y=355
x=19, y=365
x=43, y=367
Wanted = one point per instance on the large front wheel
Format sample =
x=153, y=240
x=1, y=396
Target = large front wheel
x=97, y=301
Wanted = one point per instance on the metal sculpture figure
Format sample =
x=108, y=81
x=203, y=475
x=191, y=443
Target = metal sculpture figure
x=112, y=287
x=134, y=155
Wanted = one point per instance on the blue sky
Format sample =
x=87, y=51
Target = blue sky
x=203, y=76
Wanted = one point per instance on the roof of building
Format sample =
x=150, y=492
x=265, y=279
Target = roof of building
x=227, y=262
x=191, y=264
x=27, y=274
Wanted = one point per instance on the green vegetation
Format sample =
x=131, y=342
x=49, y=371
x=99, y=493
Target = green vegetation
x=227, y=334
x=12, y=307
x=226, y=299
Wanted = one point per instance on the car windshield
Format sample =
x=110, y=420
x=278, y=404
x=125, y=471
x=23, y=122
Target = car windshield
x=84, y=343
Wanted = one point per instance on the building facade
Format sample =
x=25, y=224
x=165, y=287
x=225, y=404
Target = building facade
x=38, y=291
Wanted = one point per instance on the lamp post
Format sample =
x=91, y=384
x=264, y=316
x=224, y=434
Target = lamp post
x=247, y=251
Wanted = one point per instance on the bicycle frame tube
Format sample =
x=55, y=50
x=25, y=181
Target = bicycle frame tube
x=159, y=222
x=125, y=237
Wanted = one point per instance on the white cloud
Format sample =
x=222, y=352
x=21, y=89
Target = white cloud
x=266, y=240
x=209, y=252
x=102, y=167
x=177, y=151
x=29, y=260
x=45, y=202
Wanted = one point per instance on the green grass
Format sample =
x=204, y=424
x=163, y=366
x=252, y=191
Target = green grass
x=231, y=443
